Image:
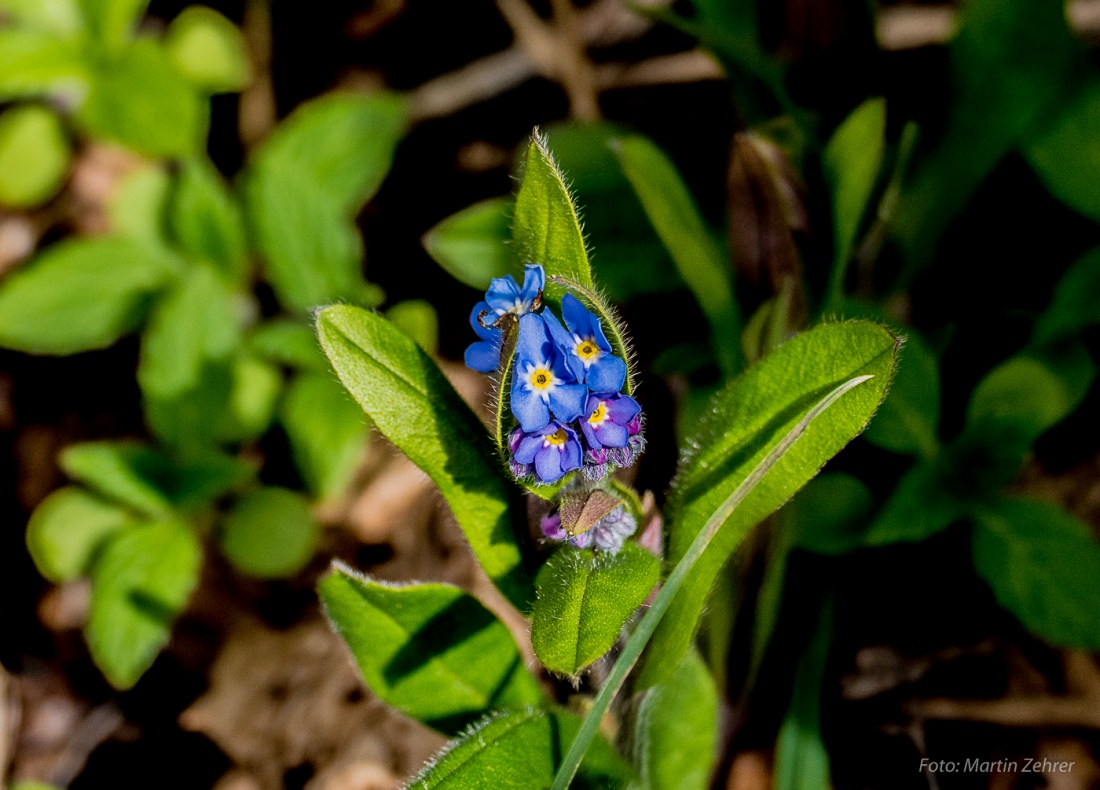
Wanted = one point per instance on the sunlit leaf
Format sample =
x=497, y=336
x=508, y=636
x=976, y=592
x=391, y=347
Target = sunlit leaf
x=208, y=49
x=68, y=527
x=34, y=156
x=473, y=246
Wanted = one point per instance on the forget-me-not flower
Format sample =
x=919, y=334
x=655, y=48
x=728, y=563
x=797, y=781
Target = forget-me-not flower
x=606, y=417
x=542, y=384
x=587, y=352
x=553, y=450
x=504, y=296
x=484, y=355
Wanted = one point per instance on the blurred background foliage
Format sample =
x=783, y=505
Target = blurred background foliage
x=180, y=185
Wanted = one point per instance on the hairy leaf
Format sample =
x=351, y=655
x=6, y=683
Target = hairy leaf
x=908, y=421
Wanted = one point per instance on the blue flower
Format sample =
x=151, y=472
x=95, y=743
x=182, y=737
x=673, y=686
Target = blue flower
x=505, y=295
x=542, y=384
x=553, y=450
x=587, y=352
x=484, y=355
x=606, y=420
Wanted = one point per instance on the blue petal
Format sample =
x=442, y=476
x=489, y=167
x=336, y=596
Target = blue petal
x=533, y=343
x=607, y=374
x=482, y=332
x=534, y=281
x=502, y=293
x=572, y=456
x=529, y=408
x=564, y=342
x=483, y=356
x=548, y=465
x=599, y=336
x=576, y=316
x=528, y=447
x=610, y=434
x=568, y=401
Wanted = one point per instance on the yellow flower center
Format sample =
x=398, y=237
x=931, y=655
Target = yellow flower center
x=587, y=350
x=541, y=378
x=558, y=438
x=599, y=415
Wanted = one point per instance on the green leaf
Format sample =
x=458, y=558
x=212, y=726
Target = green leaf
x=34, y=156
x=473, y=245
x=140, y=584
x=702, y=263
x=749, y=417
x=801, y=761
x=829, y=515
x=290, y=343
x=32, y=786
x=270, y=533
x=676, y=731
x=414, y=406
x=430, y=650
x=253, y=398
x=417, y=319
x=68, y=527
x=1074, y=306
x=206, y=221
x=192, y=324
x=852, y=160
x=38, y=64
x=908, y=421
x=60, y=17
x=584, y=600
x=923, y=503
x=327, y=432
x=1025, y=395
x=196, y=419
x=517, y=750
x=1043, y=566
x=208, y=50
x=112, y=21
x=546, y=226
x=149, y=481
x=311, y=251
x=136, y=209
x=342, y=145
x=79, y=295
x=142, y=102
x=1067, y=156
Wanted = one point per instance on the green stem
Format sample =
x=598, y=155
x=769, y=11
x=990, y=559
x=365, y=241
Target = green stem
x=648, y=624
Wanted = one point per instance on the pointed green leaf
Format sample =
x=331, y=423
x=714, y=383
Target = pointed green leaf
x=414, y=406
x=327, y=432
x=676, y=731
x=430, y=650
x=270, y=533
x=473, y=246
x=702, y=263
x=34, y=156
x=206, y=221
x=289, y=343
x=67, y=529
x=208, y=49
x=140, y=584
x=908, y=421
x=79, y=295
x=136, y=207
x=518, y=750
x=546, y=226
x=417, y=319
x=1067, y=156
x=584, y=600
x=749, y=417
x=1076, y=302
x=38, y=63
x=112, y=21
x=829, y=515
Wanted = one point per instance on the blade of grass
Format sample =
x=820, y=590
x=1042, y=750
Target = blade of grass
x=638, y=640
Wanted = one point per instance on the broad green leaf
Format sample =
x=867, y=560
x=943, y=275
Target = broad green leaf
x=197, y=419
x=112, y=21
x=417, y=319
x=205, y=219
x=1012, y=65
x=473, y=245
x=68, y=527
x=33, y=786
x=1043, y=566
x=801, y=761
x=34, y=156
x=341, y=145
x=518, y=750
x=287, y=342
x=311, y=250
x=414, y=406
x=270, y=533
x=208, y=50
x=192, y=324
x=1076, y=302
x=327, y=432
x=852, y=160
x=149, y=481
x=1067, y=155
x=924, y=502
x=676, y=730
x=828, y=516
x=430, y=650
x=253, y=398
x=584, y=600
x=142, y=102
x=702, y=263
x=545, y=226
x=908, y=421
x=136, y=208
x=79, y=295
x=140, y=583
x=37, y=63
x=749, y=417
x=63, y=18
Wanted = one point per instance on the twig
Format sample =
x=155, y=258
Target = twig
x=256, y=111
x=1041, y=711
x=577, y=74
x=683, y=67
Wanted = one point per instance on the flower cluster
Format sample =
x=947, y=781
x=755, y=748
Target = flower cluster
x=609, y=533
x=566, y=388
